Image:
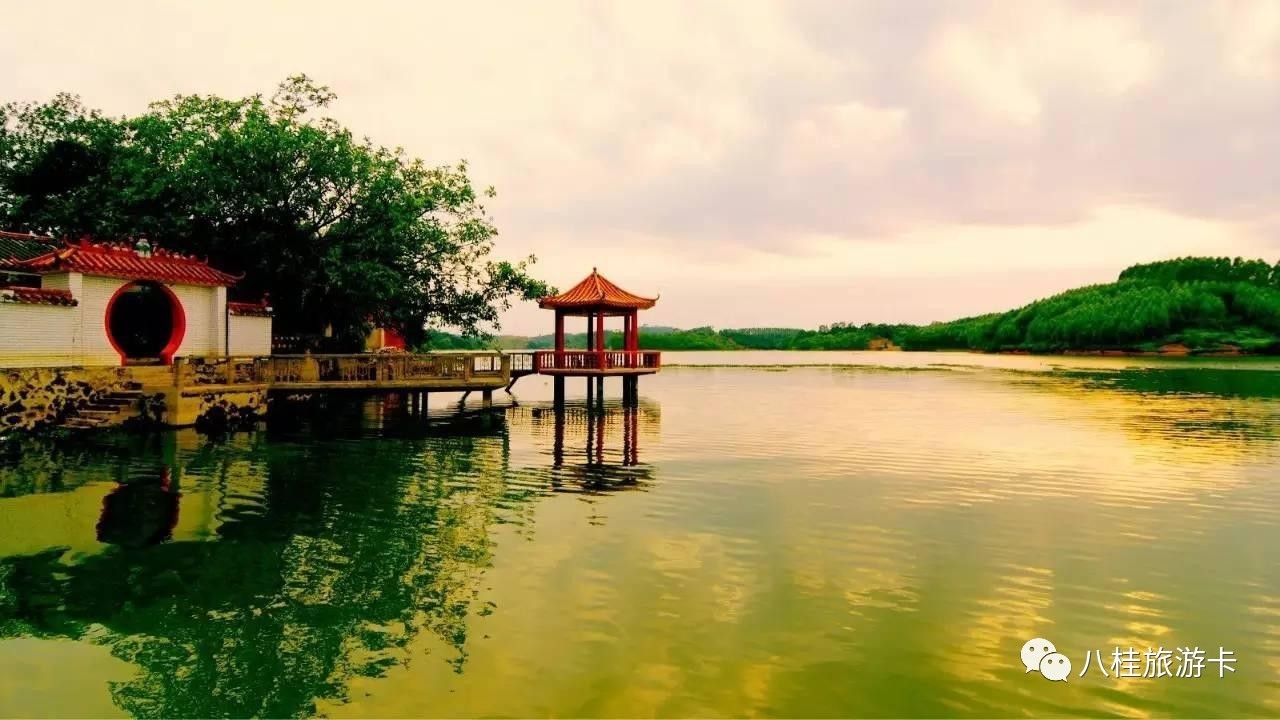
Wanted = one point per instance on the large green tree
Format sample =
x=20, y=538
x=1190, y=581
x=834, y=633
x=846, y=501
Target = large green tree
x=338, y=230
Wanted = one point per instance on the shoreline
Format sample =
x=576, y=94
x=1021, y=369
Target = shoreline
x=1181, y=352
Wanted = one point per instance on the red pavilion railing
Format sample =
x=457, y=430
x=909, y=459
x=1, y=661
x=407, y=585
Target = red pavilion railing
x=597, y=360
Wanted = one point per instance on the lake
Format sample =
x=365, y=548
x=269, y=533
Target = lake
x=766, y=534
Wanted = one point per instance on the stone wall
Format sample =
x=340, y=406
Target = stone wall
x=31, y=398
x=219, y=408
x=224, y=411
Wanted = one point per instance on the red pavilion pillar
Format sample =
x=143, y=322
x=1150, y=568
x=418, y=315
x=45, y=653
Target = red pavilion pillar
x=559, y=357
x=626, y=337
x=634, y=339
x=600, y=340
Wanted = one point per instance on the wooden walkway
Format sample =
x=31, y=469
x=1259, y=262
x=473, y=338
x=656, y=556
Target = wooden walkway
x=480, y=371
x=439, y=372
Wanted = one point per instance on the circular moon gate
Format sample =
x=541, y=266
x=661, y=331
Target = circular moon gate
x=145, y=323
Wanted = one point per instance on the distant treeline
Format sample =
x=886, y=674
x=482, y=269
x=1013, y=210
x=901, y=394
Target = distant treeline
x=1202, y=303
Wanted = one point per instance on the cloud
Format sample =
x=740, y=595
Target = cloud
x=844, y=137
x=1251, y=33
x=989, y=78
x=1002, y=60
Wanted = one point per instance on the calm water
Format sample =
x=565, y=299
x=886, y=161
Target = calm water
x=877, y=537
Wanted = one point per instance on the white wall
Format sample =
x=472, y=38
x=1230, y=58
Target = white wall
x=37, y=335
x=250, y=335
x=73, y=283
x=199, y=304
x=96, y=292
x=205, y=308
x=45, y=335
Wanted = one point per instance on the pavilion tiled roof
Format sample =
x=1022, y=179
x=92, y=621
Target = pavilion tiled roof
x=37, y=296
x=596, y=291
x=122, y=261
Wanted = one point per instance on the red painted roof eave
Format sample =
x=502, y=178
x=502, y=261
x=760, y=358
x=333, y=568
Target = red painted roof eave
x=249, y=309
x=38, y=296
x=553, y=304
x=177, y=273
x=227, y=281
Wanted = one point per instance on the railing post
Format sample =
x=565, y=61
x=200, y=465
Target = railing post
x=468, y=365
x=505, y=361
x=308, y=368
x=179, y=365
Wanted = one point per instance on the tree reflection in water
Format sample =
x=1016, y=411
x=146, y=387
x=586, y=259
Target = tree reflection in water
x=327, y=557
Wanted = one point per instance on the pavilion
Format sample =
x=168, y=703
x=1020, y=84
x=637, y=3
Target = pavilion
x=595, y=298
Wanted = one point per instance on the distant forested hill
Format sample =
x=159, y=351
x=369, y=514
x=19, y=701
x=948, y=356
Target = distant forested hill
x=1201, y=303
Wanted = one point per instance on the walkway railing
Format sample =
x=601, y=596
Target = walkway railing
x=522, y=362
x=195, y=371
x=371, y=370
x=596, y=360
x=358, y=369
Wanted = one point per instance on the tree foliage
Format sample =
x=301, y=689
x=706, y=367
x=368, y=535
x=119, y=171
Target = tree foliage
x=338, y=230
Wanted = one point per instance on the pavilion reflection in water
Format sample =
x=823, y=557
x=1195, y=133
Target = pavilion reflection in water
x=594, y=444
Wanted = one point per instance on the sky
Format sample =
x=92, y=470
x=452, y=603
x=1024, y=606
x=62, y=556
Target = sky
x=757, y=163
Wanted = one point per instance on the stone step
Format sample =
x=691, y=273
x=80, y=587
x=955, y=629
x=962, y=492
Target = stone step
x=159, y=376
x=83, y=422
x=110, y=404
x=108, y=409
x=120, y=399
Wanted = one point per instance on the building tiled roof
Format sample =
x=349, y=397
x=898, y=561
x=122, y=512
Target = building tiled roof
x=596, y=292
x=122, y=261
x=16, y=247
x=261, y=308
x=37, y=296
